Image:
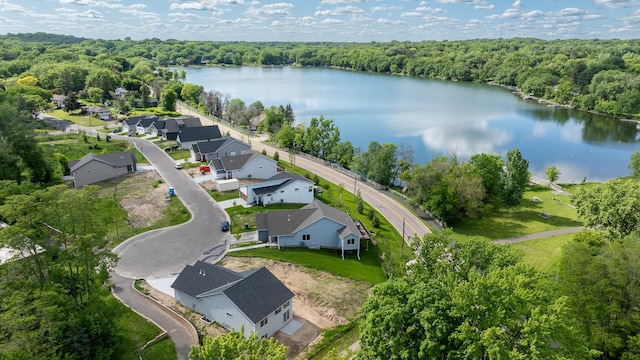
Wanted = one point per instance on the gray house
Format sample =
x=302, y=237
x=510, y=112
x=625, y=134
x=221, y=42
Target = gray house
x=283, y=187
x=254, y=298
x=169, y=128
x=245, y=166
x=215, y=149
x=314, y=226
x=188, y=136
x=93, y=168
x=130, y=124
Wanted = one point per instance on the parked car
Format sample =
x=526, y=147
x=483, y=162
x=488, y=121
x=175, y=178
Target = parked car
x=224, y=226
x=177, y=166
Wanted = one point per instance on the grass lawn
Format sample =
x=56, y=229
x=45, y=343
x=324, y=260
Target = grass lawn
x=240, y=215
x=337, y=340
x=225, y=195
x=137, y=331
x=73, y=146
x=366, y=269
x=524, y=219
x=77, y=118
x=543, y=253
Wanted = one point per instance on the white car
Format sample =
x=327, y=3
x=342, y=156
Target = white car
x=177, y=166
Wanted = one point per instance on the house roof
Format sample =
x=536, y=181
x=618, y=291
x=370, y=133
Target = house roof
x=257, y=293
x=204, y=147
x=173, y=125
x=285, y=179
x=236, y=162
x=117, y=159
x=202, y=133
x=147, y=121
x=57, y=97
x=134, y=119
x=95, y=109
x=288, y=222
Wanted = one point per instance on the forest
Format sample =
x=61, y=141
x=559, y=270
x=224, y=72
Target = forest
x=459, y=300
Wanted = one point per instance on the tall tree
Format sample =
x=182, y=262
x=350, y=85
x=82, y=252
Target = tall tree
x=634, y=165
x=168, y=100
x=553, y=173
x=234, y=346
x=490, y=168
x=473, y=300
x=515, y=178
x=613, y=205
x=71, y=102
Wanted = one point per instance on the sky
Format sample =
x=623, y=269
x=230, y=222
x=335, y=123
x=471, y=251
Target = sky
x=324, y=20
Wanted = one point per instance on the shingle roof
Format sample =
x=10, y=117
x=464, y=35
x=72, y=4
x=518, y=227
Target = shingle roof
x=257, y=292
x=188, y=134
x=214, y=145
x=285, y=178
x=288, y=222
x=173, y=125
x=134, y=119
x=117, y=159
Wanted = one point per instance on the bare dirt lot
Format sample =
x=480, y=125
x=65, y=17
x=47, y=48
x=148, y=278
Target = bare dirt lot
x=142, y=196
x=322, y=301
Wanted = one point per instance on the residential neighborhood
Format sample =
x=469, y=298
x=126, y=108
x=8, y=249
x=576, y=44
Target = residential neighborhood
x=93, y=168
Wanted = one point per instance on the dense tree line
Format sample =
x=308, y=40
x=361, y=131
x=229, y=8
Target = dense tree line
x=601, y=75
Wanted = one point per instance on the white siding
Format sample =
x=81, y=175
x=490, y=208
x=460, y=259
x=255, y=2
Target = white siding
x=260, y=168
x=322, y=233
x=297, y=192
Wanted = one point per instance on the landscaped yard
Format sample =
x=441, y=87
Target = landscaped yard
x=77, y=118
x=543, y=253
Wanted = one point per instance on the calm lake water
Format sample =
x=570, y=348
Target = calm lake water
x=437, y=117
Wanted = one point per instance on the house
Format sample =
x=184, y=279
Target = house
x=99, y=111
x=130, y=124
x=314, y=226
x=283, y=187
x=143, y=126
x=58, y=100
x=169, y=128
x=215, y=149
x=120, y=91
x=93, y=168
x=245, y=166
x=187, y=136
x=255, y=299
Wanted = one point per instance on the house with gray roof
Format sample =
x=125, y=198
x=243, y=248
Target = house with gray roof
x=283, y=187
x=169, y=128
x=218, y=148
x=244, y=166
x=314, y=226
x=130, y=124
x=255, y=298
x=93, y=168
x=187, y=136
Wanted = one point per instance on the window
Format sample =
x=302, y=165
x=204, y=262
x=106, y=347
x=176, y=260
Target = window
x=306, y=237
x=281, y=191
x=296, y=189
x=310, y=188
x=285, y=304
x=278, y=310
x=264, y=322
x=350, y=241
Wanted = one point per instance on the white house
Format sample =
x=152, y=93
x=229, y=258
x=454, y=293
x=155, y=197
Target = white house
x=254, y=298
x=283, y=187
x=99, y=111
x=245, y=166
x=314, y=226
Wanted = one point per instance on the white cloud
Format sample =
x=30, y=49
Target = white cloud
x=332, y=21
x=484, y=7
x=270, y=10
x=93, y=3
x=193, y=6
x=384, y=8
x=615, y=4
x=346, y=10
x=411, y=14
x=429, y=9
x=141, y=14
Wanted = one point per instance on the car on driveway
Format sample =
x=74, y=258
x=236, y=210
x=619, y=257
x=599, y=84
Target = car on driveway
x=224, y=226
x=177, y=166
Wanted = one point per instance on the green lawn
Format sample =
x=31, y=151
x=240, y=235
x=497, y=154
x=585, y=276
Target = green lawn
x=137, y=331
x=335, y=340
x=523, y=219
x=77, y=118
x=543, y=253
x=366, y=269
x=74, y=146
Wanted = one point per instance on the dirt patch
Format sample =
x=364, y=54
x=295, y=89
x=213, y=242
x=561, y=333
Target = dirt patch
x=322, y=301
x=143, y=196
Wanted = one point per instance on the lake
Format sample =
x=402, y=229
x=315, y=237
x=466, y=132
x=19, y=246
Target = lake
x=437, y=117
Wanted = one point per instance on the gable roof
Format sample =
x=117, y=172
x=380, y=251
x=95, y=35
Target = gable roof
x=236, y=162
x=147, y=121
x=285, y=179
x=188, y=134
x=288, y=222
x=133, y=120
x=257, y=292
x=95, y=109
x=118, y=159
x=173, y=125
x=215, y=145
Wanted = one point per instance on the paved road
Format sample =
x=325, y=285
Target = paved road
x=394, y=212
x=164, y=252
x=543, y=234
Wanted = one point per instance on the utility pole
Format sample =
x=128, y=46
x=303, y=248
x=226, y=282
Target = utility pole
x=402, y=236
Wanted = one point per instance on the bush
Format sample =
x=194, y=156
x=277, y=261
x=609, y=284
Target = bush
x=360, y=207
x=375, y=222
x=276, y=156
x=370, y=214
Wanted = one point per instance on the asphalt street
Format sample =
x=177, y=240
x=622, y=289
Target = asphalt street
x=164, y=252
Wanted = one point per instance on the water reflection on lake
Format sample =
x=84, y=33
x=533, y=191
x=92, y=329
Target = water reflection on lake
x=438, y=117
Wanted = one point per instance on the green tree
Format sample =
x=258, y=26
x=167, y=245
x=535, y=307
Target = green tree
x=490, y=168
x=145, y=92
x=515, y=178
x=553, y=173
x=104, y=79
x=95, y=94
x=595, y=274
x=613, y=205
x=168, y=100
x=191, y=92
x=71, y=102
x=634, y=165
x=236, y=111
x=472, y=300
x=234, y=346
